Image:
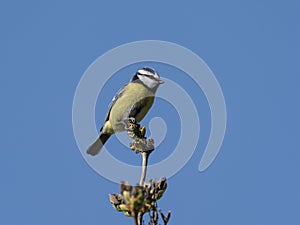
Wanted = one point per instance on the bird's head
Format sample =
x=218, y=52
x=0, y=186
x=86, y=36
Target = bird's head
x=149, y=77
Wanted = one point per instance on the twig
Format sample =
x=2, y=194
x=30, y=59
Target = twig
x=142, y=198
x=145, y=156
x=136, y=222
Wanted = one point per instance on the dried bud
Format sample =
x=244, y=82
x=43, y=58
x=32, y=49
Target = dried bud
x=116, y=199
x=125, y=186
x=123, y=207
x=127, y=214
x=162, y=184
x=143, y=131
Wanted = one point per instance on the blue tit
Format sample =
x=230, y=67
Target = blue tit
x=132, y=101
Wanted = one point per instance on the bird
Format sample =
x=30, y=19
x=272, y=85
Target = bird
x=132, y=101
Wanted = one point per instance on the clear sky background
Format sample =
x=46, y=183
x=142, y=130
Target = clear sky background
x=252, y=48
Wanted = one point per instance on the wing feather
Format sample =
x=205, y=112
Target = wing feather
x=113, y=101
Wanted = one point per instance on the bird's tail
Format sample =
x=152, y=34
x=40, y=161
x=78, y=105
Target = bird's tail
x=95, y=148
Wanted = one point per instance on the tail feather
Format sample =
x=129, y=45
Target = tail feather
x=95, y=148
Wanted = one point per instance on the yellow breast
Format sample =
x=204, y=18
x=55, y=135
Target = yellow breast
x=135, y=101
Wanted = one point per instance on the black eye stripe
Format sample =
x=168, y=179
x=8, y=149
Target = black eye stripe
x=149, y=76
x=146, y=75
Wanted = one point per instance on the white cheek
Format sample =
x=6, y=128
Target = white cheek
x=150, y=83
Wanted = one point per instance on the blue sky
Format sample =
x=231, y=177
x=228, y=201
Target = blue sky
x=252, y=48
